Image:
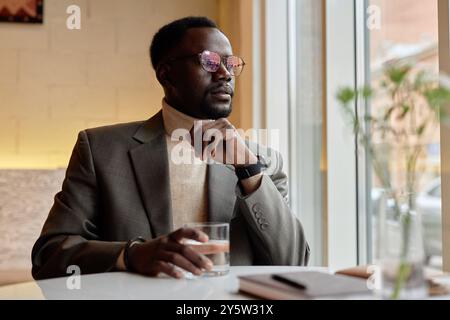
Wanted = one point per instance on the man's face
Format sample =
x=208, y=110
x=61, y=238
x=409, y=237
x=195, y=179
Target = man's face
x=192, y=89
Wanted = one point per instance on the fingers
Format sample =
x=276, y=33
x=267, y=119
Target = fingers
x=169, y=269
x=210, y=138
x=181, y=262
x=184, y=256
x=217, y=124
x=214, y=144
x=193, y=256
x=188, y=233
x=202, y=126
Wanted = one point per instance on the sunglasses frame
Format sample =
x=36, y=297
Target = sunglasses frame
x=223, y=60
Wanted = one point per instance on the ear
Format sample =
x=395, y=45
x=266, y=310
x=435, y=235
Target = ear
x=163, y=75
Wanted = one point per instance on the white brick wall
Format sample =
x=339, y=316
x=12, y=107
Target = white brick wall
x=83, y=102
x=8, y=66
x=8, y=138
x=55, y=82
x=23, y=101
x=142, y=99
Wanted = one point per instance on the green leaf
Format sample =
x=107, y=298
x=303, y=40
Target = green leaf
x=346, y=95
x=437, y=97
x=397, y=74
x=405, y=109
x=366, y=92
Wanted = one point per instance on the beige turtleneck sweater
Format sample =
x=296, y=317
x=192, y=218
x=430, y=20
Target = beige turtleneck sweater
x=188, y=184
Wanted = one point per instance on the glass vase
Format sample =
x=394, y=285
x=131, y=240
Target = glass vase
x=401, y=257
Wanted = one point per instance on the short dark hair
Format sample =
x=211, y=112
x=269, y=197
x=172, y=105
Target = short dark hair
x=171, y=34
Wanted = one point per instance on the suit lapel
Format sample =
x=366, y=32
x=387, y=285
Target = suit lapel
x=150, y=163
x=221, y=192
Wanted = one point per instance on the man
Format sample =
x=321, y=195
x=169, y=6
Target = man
x=125, y=196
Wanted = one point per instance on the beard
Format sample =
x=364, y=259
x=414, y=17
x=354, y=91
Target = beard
x=215, y=110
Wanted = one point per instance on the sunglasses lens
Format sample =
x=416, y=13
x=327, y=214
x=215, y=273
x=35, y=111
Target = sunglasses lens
x=234, y=65
x=210, y=61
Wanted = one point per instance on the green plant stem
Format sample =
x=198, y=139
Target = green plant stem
x=404, y=272
x=404, y=269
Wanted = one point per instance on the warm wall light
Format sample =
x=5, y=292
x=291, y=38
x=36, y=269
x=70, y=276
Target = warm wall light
x=34, y=161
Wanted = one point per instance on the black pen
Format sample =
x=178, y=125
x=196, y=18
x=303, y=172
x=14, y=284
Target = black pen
x=289, y=282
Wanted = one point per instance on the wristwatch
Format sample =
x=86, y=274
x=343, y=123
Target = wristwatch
x=250, y=170
x=129, y=244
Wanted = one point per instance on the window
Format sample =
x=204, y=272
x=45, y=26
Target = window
x=292, y=92
x=409, y=33
x=311, y=49
x=436, y=192
x=306, y=128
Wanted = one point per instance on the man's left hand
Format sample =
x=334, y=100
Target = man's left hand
x=218, y=140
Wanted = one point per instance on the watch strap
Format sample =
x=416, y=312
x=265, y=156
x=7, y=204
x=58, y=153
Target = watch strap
x=126, y=258
x=247, y=171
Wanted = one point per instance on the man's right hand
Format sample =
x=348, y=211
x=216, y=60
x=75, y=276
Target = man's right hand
x=165, y=253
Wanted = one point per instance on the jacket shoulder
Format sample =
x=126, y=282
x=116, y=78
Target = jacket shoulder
x=119, y=129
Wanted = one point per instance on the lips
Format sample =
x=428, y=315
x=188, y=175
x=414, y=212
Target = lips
x=223, y=91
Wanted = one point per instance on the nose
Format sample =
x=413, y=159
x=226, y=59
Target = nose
x=222, y=73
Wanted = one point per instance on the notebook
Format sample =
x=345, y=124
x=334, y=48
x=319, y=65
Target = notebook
x=302, y=285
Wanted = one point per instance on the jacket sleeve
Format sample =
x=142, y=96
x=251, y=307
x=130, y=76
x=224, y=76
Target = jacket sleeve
x=70, y=235
x=278, y=236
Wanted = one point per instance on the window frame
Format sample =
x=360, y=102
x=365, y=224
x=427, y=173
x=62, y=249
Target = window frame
x=344, y=228
x=444, y=68
x=341, y=169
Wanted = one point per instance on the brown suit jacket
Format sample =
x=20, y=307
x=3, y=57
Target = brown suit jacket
x=117, y=187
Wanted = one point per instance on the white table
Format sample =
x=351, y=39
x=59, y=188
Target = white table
x=122, y=285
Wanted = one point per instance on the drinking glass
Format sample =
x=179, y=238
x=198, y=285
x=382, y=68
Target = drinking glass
x=217, y=249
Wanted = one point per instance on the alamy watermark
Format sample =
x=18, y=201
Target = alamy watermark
x=373, y=21
x=230, y=145
x=73, y=282
x=374, y=281
x=73, y=21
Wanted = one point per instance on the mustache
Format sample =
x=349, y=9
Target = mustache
x=222, y=88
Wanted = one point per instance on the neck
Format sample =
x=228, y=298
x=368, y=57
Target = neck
x=175, y=119
x=183, y=108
